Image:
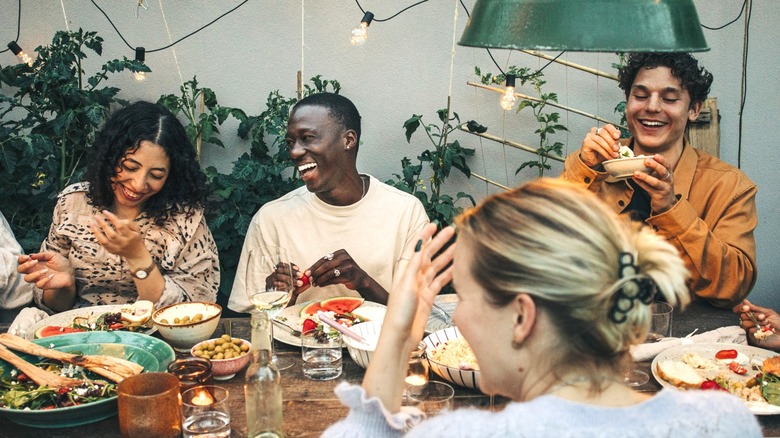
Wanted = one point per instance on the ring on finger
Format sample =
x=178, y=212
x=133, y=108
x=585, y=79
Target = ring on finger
x=598, y=131
x=668, y=176
x=336, y=272
x=328, y=256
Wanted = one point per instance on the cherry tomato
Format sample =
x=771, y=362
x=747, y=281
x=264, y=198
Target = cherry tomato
x=737, y=368
x=116, y=326
x=22, y=377
x=63, y=390
x=726, y=354
x=304, y=280
x=711, y=384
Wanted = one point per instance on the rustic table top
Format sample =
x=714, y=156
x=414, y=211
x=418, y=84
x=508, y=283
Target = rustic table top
x=310, y=406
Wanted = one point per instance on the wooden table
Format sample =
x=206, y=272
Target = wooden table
x=309, y=406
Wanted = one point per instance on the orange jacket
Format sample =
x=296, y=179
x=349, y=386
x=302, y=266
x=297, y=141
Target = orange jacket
x=711, y=225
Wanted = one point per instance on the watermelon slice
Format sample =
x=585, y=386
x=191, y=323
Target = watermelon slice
x=310, y=309
x=341, y=304
x=54, y=330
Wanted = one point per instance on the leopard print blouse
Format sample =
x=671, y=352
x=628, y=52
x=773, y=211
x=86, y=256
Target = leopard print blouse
x=183, y=249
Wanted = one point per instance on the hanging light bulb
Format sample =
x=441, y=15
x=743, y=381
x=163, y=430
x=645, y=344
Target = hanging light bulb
x=140, y=56
x=360, y=33
x=20, y=53
x=508, y=99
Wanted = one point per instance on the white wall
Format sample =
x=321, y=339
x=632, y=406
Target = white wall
x=406, y=68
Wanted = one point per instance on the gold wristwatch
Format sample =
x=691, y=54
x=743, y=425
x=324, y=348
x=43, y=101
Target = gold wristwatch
x=143, y=273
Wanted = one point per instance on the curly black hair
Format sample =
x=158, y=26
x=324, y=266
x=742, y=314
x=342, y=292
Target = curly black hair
x=184, y=190
x=684, y=67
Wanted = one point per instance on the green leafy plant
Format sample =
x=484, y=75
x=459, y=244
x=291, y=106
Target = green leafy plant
x=547, y=122
x=440, y=160
x=47, y=126
x=202, y=111
x=262, y=175
x=620, y=108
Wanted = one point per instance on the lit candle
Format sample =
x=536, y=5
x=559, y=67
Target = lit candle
x=416, y=379
x=203, y=398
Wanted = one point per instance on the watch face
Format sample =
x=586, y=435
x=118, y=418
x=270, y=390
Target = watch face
x=141, y=274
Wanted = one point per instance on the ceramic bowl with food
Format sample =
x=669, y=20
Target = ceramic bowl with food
x=361, y=353
x=625, y=167
x=185, y=324
x=451, y=358
x=228, y=355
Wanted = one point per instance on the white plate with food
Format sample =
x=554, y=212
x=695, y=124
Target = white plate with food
x=441, y=317
x=366, y=311
x=688, y=366
x=86, y=319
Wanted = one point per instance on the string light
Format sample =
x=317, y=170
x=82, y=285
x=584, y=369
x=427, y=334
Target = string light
x=20, y=53
x=360, y=33
x=140, y=56
x=508, y=99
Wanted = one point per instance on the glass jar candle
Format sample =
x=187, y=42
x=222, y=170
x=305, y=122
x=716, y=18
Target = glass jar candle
x=417, y=373
x=191, y=371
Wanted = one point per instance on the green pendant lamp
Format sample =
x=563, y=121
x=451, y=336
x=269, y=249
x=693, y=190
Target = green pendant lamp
x=586, y=25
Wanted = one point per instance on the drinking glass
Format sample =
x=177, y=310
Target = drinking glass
x=205, y=412
x=661, y=323
x=139, y=395
x=269, y=285
x=321, y=355
x=435, y=398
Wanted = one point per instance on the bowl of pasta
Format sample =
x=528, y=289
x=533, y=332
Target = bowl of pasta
x=451, y=358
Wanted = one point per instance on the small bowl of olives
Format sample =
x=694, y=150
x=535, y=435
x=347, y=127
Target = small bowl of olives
x=227, y=355
x=183, y=325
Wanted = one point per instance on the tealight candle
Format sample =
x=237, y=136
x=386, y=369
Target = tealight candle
x=202, y=398
x=417, y=374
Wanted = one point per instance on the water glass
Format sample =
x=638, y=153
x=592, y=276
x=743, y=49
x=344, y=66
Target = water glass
x=321, y=355
x=661, y=322
x=435, y=398
x=205, y=412
x=139, y=395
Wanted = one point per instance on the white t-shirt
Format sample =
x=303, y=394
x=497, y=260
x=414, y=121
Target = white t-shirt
x=14, y=291
x=374, y=231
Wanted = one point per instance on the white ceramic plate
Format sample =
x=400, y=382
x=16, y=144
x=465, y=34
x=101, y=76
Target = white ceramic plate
x=707, y=350
x=437, y=321
x=65, y=319
x=292, y=317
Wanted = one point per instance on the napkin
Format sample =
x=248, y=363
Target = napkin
x=25, y=320
x=730, y=334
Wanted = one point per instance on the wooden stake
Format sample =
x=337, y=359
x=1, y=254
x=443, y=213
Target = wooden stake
x=512, y=144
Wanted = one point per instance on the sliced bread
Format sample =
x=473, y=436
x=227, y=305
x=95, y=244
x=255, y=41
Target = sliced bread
x=679, y=374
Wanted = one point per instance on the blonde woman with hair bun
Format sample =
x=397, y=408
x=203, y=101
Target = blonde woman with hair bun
x=553, y=290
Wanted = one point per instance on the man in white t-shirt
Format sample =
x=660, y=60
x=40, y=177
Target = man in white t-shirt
x=344, y=231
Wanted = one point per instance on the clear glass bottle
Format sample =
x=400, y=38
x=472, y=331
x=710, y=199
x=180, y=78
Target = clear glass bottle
x=262, y=384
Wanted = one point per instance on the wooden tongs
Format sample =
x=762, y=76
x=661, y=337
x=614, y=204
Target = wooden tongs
x=38, y=375
x=110, y=367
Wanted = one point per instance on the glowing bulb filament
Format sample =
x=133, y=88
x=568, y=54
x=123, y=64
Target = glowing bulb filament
x=360, y=33
x=26, y=58
x=508, y=99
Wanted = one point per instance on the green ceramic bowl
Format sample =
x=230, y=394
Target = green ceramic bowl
x=151, y=353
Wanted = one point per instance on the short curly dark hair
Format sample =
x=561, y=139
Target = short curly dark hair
x=184, y=190
x=684, y=67
x=339, y=107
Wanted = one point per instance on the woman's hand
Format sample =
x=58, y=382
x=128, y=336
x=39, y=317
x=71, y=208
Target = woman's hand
x=121, y=237
x=48, y=270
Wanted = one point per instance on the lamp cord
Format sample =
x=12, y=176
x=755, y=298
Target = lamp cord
x=18, y=25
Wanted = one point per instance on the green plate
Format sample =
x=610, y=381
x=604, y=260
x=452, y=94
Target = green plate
x=151, y=353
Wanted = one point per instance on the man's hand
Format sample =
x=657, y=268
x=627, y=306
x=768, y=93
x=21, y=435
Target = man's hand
x=659, y=184
x=600, y=145
x=766, y=318
x=337, y=267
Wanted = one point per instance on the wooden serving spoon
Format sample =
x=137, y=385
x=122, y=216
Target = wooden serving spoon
x=38, y=375
x=110, y=367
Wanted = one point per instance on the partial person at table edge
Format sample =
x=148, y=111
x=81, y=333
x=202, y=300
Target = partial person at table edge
x=135, y=228
x=764, y=332
x=14, y=291
x=344, y=231
x=566, y=285
x=702, y=205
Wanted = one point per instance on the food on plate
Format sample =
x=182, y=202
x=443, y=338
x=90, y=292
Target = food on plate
x=130, y=317
x=679, y=374
x=336, y=305
x=139, y=312
x=770, y=380
x=455, y=353
x=55, y=330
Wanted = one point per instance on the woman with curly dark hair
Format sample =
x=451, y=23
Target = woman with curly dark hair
x=135, y=229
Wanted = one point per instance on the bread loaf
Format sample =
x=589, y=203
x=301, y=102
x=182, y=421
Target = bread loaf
x=679, y=374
